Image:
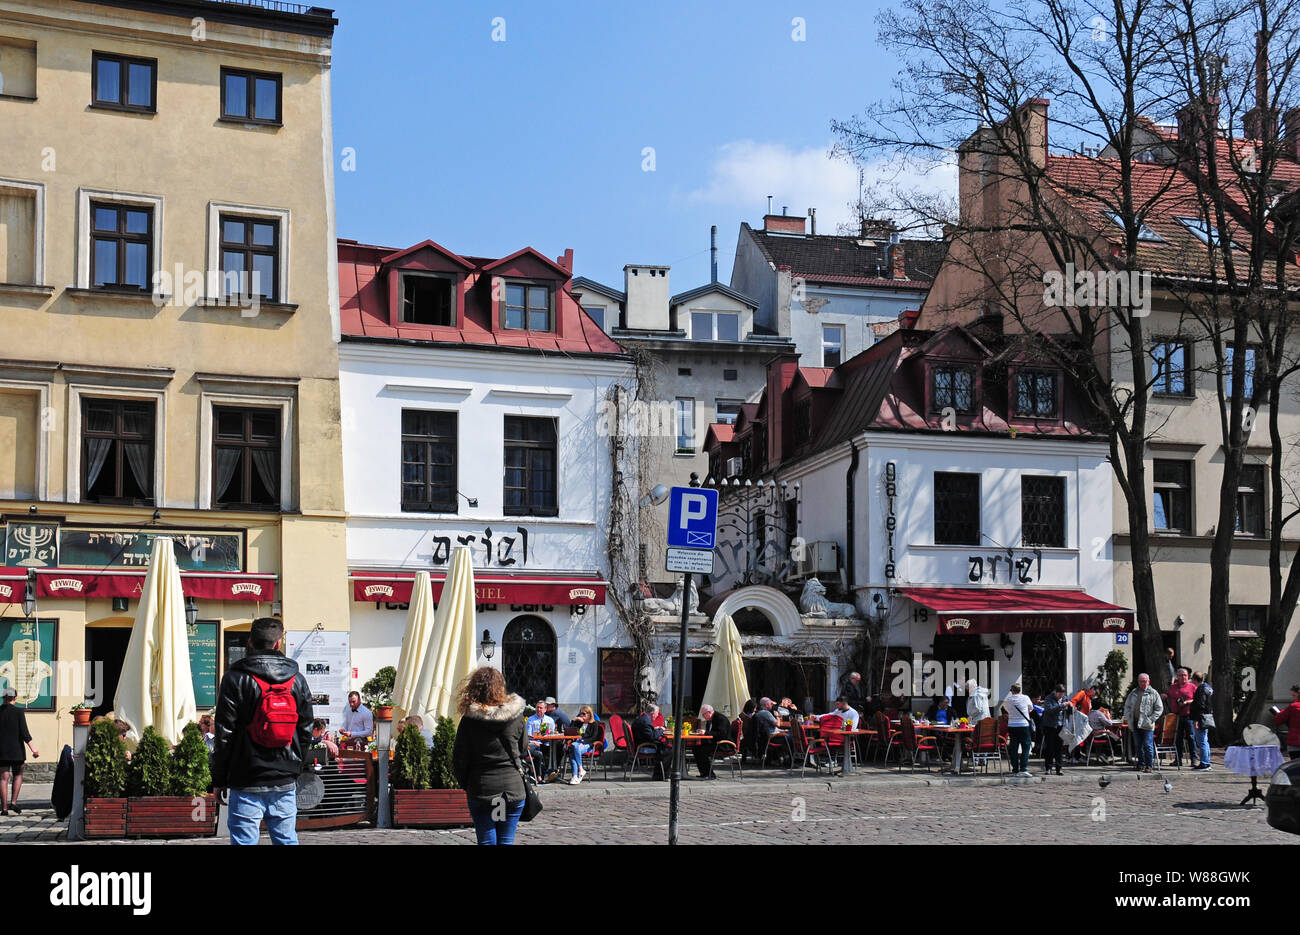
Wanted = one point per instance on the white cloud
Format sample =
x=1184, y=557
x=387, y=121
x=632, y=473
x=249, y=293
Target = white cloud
x=745, y=172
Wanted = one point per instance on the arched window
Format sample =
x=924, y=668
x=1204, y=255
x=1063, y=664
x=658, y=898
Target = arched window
x=528, y=658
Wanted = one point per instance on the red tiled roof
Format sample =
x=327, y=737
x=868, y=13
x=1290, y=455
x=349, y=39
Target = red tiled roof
x=363, y=302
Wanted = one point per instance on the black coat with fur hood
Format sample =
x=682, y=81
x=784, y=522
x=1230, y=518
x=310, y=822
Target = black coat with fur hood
x=483, y=767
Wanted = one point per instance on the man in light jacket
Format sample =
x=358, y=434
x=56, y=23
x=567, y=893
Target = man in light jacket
x=1143, y=710
x=977, y=702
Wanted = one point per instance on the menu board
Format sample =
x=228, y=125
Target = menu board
x=203, y=661
x=27, y=661
x=325, y=658
x=617, y=681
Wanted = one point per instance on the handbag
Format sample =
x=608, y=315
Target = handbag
x=532, y=801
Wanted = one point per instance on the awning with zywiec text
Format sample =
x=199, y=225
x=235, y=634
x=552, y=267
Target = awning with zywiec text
x=1027, y=610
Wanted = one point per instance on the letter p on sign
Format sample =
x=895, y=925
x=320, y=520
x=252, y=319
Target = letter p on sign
x=692, y=518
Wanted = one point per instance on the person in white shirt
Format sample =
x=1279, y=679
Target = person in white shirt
x=533, y=727
x=1020, y=725
x=844, y=712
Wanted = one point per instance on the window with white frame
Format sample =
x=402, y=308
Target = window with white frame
x=248, y=246
x=22, y=232
x=120, y=240
x=715, y=326
x=832, y=345
x=685, y=425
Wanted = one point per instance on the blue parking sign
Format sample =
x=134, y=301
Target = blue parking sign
x=693, y=518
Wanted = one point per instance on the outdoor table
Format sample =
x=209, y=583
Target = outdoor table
x=850, y=737
x=1253, y=762
x=956, y=734
x=551, y=740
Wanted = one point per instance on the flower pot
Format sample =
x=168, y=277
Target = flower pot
x=430, y=808
x=383, y=712
x=81, y=717
x=105, y=818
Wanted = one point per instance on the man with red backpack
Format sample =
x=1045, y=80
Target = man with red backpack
x=263, y=725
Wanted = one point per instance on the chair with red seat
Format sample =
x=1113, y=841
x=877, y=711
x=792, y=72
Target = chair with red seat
x=887, y=739
x=915, y=744
x=831, y=741
x=597, y=748
x=986, y=744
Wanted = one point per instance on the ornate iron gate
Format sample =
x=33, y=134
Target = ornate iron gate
x=528, y=658
x=1043, y=662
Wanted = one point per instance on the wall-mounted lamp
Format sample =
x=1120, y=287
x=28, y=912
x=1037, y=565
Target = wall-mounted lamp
x=277, y=609
x=657, y=495
x=1178, y=622
x=191, y=611
x=487, y=645
x=470, y=501
x=32, y=509
x=29, y=593
x=1008, y=646
x=120, y=605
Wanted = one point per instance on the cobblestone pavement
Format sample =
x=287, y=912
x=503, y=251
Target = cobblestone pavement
x=876, y=806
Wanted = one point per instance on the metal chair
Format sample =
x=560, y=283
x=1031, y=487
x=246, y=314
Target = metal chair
x=646, y=752
x=597, y=748
x=915, y=744
x=808, y=748
x=986, y=745
x=1112, y=741
x=1166, y=738
x=729, y=751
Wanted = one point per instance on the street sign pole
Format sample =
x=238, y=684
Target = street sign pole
x=679, y=700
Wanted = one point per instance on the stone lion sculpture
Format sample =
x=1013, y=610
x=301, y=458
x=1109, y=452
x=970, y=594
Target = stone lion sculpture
x=671, y=606
x=813, y=603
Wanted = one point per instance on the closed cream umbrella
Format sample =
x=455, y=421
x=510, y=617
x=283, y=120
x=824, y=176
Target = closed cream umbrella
x=451, y=655
x=728, y=688
x=155, y=688
x=415, y=648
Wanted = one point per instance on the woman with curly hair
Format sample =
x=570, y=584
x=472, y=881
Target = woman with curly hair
x=490, y=746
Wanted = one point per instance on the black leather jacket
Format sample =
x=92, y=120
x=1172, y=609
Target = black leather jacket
x=239, y=763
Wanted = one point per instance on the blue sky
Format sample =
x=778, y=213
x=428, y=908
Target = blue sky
x=486, y=146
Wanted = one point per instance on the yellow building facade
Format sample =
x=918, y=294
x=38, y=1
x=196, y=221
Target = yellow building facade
x=168, y=300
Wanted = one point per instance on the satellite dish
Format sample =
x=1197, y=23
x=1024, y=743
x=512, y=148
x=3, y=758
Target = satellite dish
x=310, y=791
x=1257, y=735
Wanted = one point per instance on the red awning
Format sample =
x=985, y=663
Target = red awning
x=83, y=583
x=1011, y=610
x=395, y=588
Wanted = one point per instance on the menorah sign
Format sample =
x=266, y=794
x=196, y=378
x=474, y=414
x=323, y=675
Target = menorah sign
x=31, y=545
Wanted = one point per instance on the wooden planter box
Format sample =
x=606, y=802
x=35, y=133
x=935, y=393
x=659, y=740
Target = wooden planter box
x=164, y=816
x=430, y=808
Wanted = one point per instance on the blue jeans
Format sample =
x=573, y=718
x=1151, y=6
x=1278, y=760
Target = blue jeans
x=1144, y=741
x=576, y=751
x=489, y=830
x=1021, y=739
x=247, y=809
x=1203, y=744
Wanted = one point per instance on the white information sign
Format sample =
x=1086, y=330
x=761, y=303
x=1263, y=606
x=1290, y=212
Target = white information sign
x=325, y=658
x=696, y=561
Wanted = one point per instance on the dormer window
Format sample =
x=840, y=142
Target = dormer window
x=1207, y=234
x=1035, y=394
x=1145, y=234
x=528, y=307
x=428, y=300
x=715, y=326
x=952, y=387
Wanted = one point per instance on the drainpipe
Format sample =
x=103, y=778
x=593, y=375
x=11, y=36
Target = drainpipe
x=849, y=486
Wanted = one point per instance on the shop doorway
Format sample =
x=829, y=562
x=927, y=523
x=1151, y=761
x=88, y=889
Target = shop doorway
x=1042, y=658
x=106, y=651
x=528, y=658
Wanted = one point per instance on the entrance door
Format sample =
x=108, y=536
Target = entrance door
x=528, y=658
x=106, y=651
x=802, y=679
x=1043, y=662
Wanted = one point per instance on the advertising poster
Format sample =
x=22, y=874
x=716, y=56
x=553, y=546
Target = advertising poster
x=27, y=661
x=203, y=662
x=325, y=658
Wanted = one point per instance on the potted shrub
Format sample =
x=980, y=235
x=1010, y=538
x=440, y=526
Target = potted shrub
x=105, y=782
x=80, y=714
x=415, y=769
x=383, y=707
x=379, y=690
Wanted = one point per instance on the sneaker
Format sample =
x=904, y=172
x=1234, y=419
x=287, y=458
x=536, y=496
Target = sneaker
x=574, y=780
x=1202, y=767
x=582, y=773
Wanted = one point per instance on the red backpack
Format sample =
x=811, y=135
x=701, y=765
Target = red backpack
x=276, y=717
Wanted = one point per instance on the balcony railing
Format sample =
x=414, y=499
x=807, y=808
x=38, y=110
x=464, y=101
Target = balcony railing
x=274, y=6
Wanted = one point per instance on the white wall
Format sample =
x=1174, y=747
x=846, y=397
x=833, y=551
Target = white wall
x=856, y=309
x=377, y=382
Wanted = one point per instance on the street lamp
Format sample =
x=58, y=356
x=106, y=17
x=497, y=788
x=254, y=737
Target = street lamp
x=657, y=495
x=29, y=594
x=191, y=611
x=487, y=645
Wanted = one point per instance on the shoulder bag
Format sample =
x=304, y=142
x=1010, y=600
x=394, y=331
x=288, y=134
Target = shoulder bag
x=532, y=801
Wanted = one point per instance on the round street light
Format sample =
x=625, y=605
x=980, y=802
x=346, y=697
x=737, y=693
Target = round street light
x=487, y=645
x=657, y=495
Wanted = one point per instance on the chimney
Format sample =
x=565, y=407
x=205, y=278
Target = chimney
x=647, y=296
x=909, y=317
x=784, y=224
x=713, y=253
x=1260, y=122
x=812, y=221
x=566, y=261
x=877, y=229
x=1291, y=137
x=898, y=270
x=1032, y=117
x=1198, y=125
x=781, y=371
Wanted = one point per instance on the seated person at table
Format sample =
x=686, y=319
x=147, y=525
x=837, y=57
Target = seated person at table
x=358, y=723
x=644, y=731
x=536, y=750
x=586, y=723
x=766, y=731
x=715, y=724
x=320, y=737
x=845, y=712
x=559, y=717
x=786, y=708
x=1099, y=719
x=941, y=711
